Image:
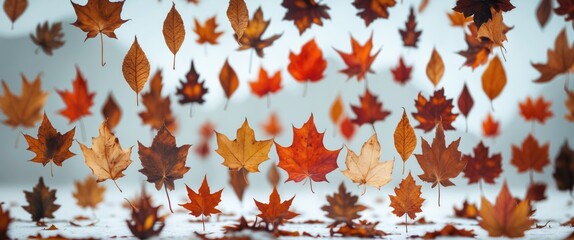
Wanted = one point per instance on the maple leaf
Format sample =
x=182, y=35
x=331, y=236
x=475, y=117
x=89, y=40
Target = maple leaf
x=78, y=101
x=449, y=231
x=50, y=146
x=206, y=33
x=202, y=202
x=99, y=17
x=407, y=199
x=543, y=12
x=366, y=169
x=347, y=128
x=5, y=221
x=468, y=210
x=435, y=68
x=24, y=110
x=439, y=162
x=343, y=207
x=192, y=90
x=477, y=51
x=238, y=183
x=305, y=12
x=494, y=79
x=309, y=65
x=163, y=162
x=404, y=138
x=307, y=157
x=41, y=201
x=145, y=222
x=569, y=103
x=370, y=110
x=465, y=103
x=402, y=72
x=173, y=31
x=135, y=68
x=48, y=38
x=531, y=156
x=359, y=60
x=565, y=7
x=490, y=127
x=494, y=30
x=437, y=109
x=158, y=109
x=458, y=19
x=238, y=16
x=481, y=166
x=228, y=80
x=564, y=169
x=371, y=10
x=560, y=60
x=410, y=35
x=111, y=112
x=88, y=194
x=252, y=37
x=272, y=127
x=275, y=212
x=244, y=152
x=106, y=158
x=535, y=111
x=264, y=85
x=507, y=217
x=480, y=9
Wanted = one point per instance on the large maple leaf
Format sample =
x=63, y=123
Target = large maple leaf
x=41, y=201
x=192, y=90
x=158, y=109
x=275, y=212
x=370, y=110
x=408, y=200
x=437, y=109
x=530, y=156
x=78, y=101
x=559, y=61
x=410, y=35
x=359, y=60
x=480, y=9
x=371, y=10
x=206, y=33
x=309, y=65
x=163, y=162
x=343, y=207
x=482, y=166
x=535, y=111
x=307, y=157
x=305, y=12
x=439, y=162
x=252, y=37
x=24, y=110
x=202, y=202
x=99, y=17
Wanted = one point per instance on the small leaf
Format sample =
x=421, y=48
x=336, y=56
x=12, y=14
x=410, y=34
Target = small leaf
x=111, y=112
x=228, y=80
x=407, y=199
x=88, y=194
x=493, y=78
x=305, y=12
x=435, y=68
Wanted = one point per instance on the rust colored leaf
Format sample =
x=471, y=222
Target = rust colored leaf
x=145, y=222
x=272, y=127
x=343, y=207
x=435, y=68
x=275, y=212
x=494, y=31
x=363, y=229
x=163, y=162
x=238, y=183
x=307, y=157
x=569, y=103
x=370, y=110
x=99, y=17
x=402, y=72
x=565, y=7
x=347, y=128
x=543, y=12
x=202, y=202
x=252, y=37
x=449, y=231
x=477, y=51
x=41, y=201
x=265, y=85
x=507, y=217
x=14, y=9
x=559, y=61
x=173, y=31
x=564, y=169
x=536, y=192
x=336, y=110
x=111, y=112
x=405, y=138
x=437, y=109
x=371, y=10
x=305, y=12
x=5, y=221
x=465, y=103
x=48, y=38
x=410, y=35
x=158, y=109
x=88, y=194
x=228, y=80
x=568, y=223
x=407, y=199
x=490, y=127
x=24, y=110
x=192, y=90
x=536, y=111
x=493, y=79
x=207, y=33
x=531, y=156
x=243, y=226
x=359, y=60
x=238, y=16
x=440, y=162
x=78, y=101
x=136, y=68
x=50, y=145
x=273, y=175
x=481, y=9
x=468, y=210
x=482, y=166
x=458, y=19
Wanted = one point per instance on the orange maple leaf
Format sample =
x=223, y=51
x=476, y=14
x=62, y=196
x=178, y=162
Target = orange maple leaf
x=275, y=213
x=438, y=109
x=264, y=85
x=477, y=51
x=408, y=200
x=370, y=110
x=79, y=101
x=309, y=65
x=206, y=33
x=192, y=90
x=203, y=202
x=490, y=127
x=272, y=126
x=531, y=156
x=359, y=60
x=535, y=111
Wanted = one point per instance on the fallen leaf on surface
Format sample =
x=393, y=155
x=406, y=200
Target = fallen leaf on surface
x=51, y=228
x=145, y=222
x=41, y=202
x=202, y=202
x=468, y=210
x=449, y=231
x=363, y=229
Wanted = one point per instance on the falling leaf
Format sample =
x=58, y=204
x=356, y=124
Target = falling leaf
x=238, y=183
x=402, y=72
x=437, y=109
x=493, y=79
x=490, y=127
x=465, y=103
x=569, y=103
x=543, y=12
x=106, y=158
x=252, y=37
x=301, y=161
x=559, y=61
x=273, y=175
x=371, y=10
x=78, y=101
x=275, y=212
x=145, y=222
x=468, y=210
x=363, y=229
x=24, y=110
x=347, y=128
x=14, y=9
x=41, y=201
x=158, y=109
x=439, y=162
x=366, y=169
x=111, y=112
x=564, y=168
x=435, y=68
x=336, y=110
x=206, y=33
x=407, y=199
x=192, y=90
x=48, y=38
x=99, y=17
x=202, y=202
x=163, y=162
x=564, y=8
x=305, y=12
x=477, y=51
x=50, y=146
x=410, y=35
x=88, y=194
x=173, y=31
x=244, y=152
x=482, y=166
x=458, y=19
x=136, y=68
x=494, y=30
x=343, y=207
x=265, y=85
x=370, y=110
x=309, y=65
x=535, y=111
x=272, y=127
x=228, y=80
x=359, y=60
x=405, y=138
x=481, y=9
x=535, y=192
x=507, y=217
x=5, y=221
x=238, y=16
x=531, y=156
x=449, y=231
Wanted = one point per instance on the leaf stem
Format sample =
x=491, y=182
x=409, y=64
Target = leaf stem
x=439, y=194
x=244, y=173
x=83, y=129
x=203, y=222
x=102, y=48
x=226, y=103
x=168, y=200
x=480, y=185
x=117, y=185
x=174, y=61
x=191, y=110
x=311, y=184
x=406, y=223
x=305, y=88
x=52, y=168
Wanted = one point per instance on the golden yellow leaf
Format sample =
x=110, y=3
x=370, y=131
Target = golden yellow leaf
x=24, y=110
x=405, y=138
x=493, y=79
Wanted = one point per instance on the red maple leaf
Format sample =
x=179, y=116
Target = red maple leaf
x=78, y=101
x=359, y=60
x=402, y=72
x=538, y=110
x=370, y=110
